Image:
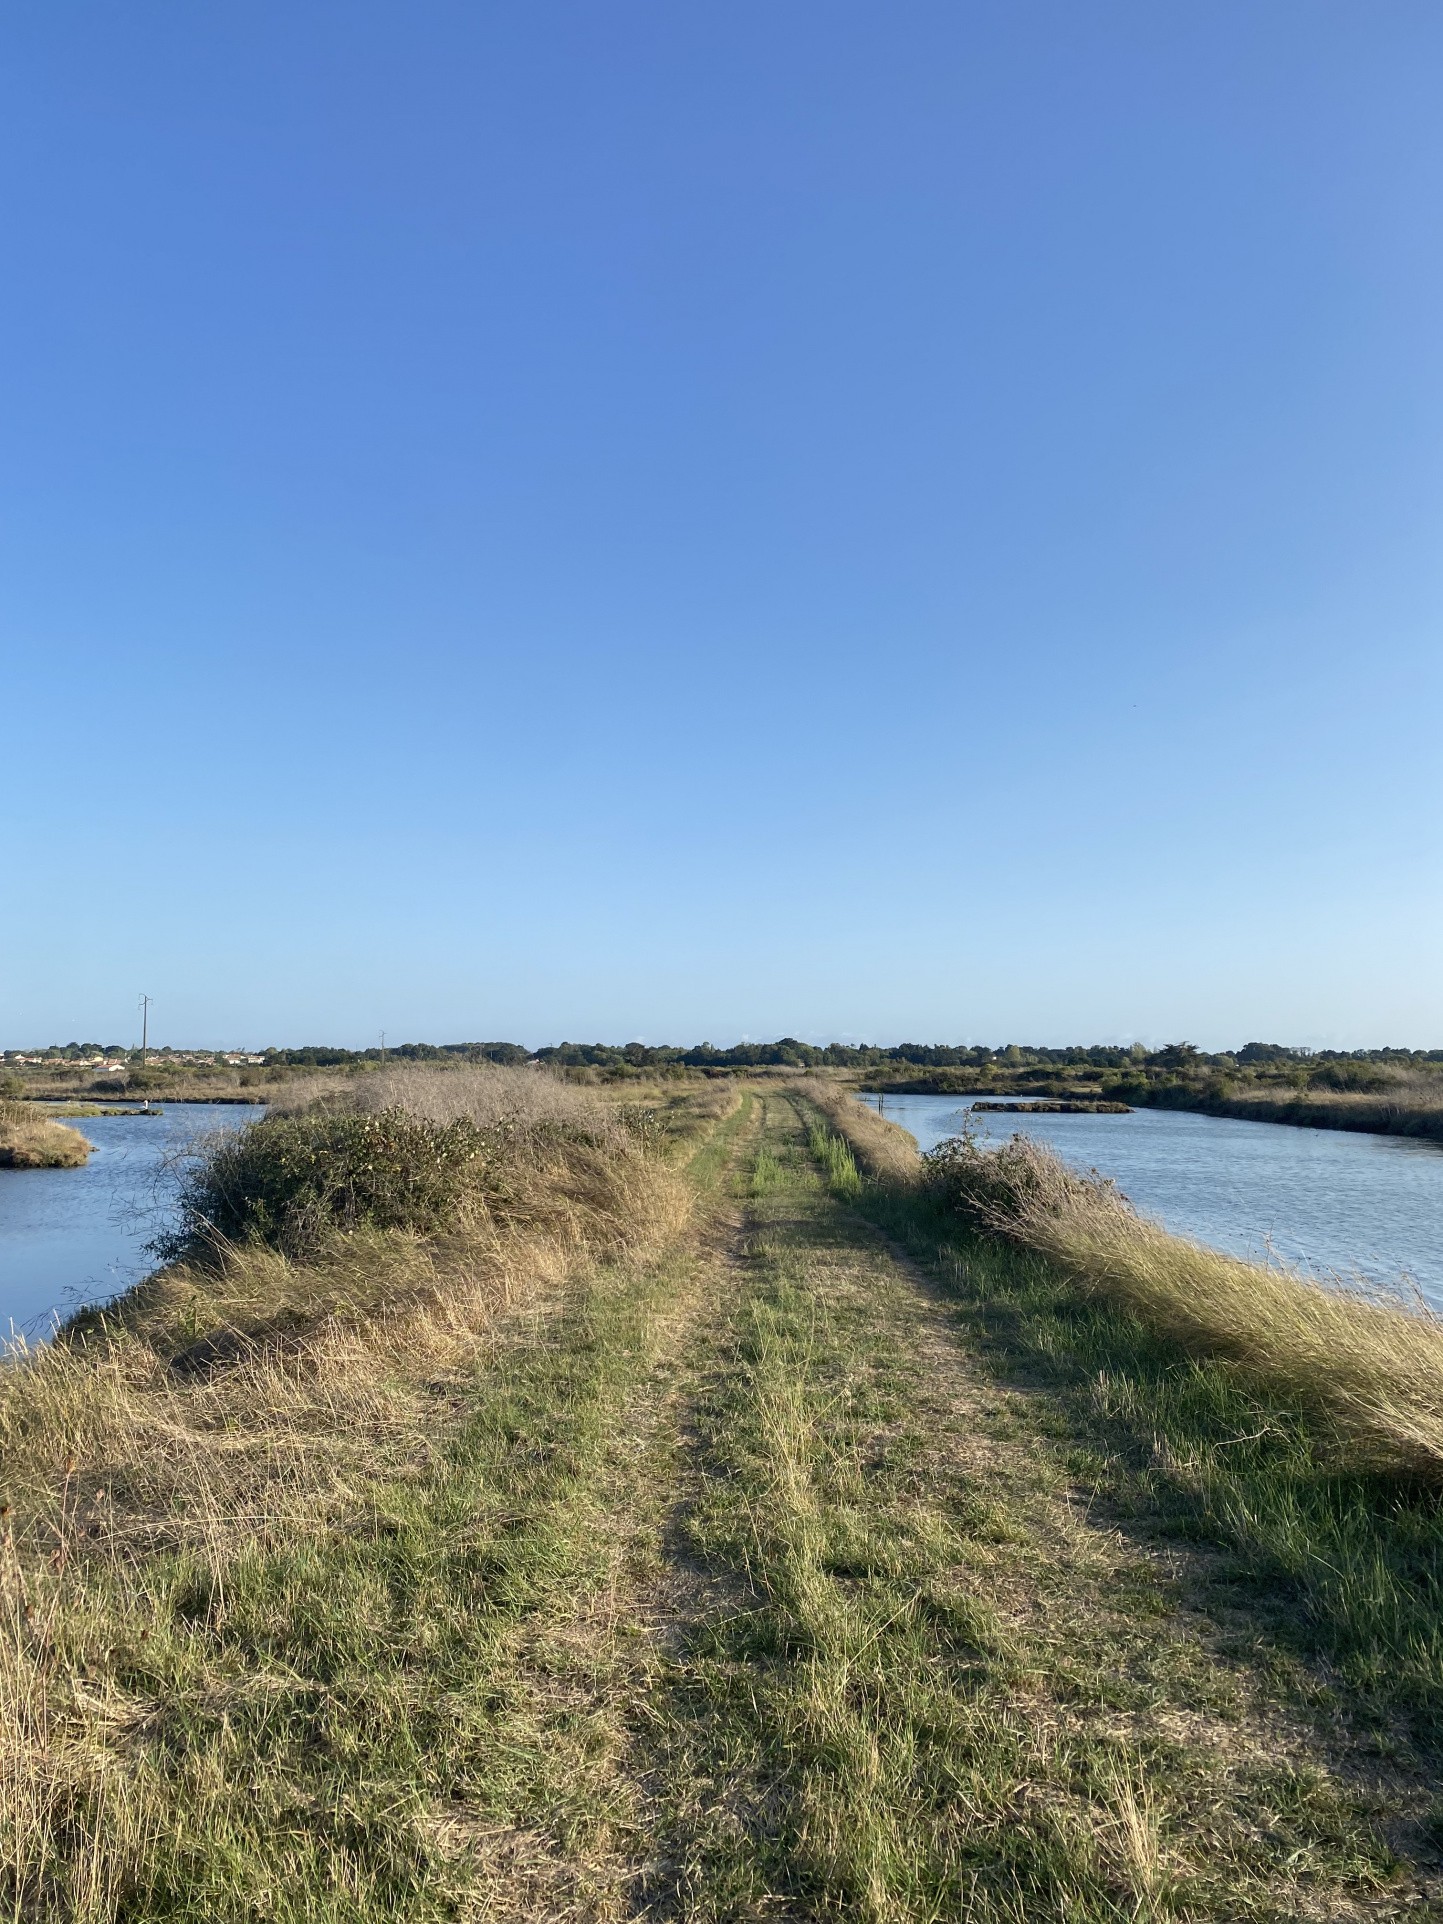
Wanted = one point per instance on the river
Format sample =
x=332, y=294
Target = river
x=74, y=1236
x=1326, y=1201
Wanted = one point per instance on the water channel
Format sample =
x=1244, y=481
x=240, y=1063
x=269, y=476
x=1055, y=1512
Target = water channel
x=74, y=1236
x=1323, y=1200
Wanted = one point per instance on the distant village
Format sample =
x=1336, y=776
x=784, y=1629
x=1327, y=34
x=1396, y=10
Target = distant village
x=87, y=1055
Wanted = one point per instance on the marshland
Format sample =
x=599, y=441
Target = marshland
x=672, y=1495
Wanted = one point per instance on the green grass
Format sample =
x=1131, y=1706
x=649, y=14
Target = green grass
x=771, y=1577
x=717, y=1148
x=303, y=1631
x=834, y=1154
x=1342, y=1566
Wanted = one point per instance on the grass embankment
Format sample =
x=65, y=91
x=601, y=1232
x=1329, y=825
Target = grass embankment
x=1370, y=1371
x=1377, y=1097
x=278, y=1525
x=31, y=1141
x=537, y=1556
x=1302, y=1428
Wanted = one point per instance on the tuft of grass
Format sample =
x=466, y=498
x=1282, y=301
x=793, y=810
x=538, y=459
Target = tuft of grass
x=838, y=1163
x=767, y=1172
x=28, y=1141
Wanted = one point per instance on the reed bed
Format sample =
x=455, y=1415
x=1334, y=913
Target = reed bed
x=236, y=1401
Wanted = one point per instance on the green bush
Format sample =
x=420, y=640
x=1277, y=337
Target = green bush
x=290, y=1180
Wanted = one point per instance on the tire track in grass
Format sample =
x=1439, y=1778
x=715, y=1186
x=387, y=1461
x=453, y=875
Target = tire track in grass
x=577, y=1846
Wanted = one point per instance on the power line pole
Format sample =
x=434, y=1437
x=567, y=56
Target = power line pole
x=144, y=1027
x=383, y=1048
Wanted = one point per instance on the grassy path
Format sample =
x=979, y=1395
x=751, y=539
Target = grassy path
x=909, y=1677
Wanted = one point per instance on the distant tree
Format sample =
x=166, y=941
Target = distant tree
x=1264, y=1052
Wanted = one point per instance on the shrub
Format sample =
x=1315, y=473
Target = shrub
x=1363, y=1077
x=290, y=1180
x=1000, y=1189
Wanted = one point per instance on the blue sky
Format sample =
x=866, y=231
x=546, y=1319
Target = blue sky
x=674, y=522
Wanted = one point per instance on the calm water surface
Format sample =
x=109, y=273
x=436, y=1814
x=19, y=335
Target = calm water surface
x=1318, y=1199
x=73, y=1236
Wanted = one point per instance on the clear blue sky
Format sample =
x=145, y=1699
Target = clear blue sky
x=637, y=520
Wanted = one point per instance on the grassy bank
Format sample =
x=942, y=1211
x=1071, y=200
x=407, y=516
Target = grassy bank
x=274, y=1522
x=1296, y=1428
x=1409, y=1107
x=31, y=1141
x=1381, y=1092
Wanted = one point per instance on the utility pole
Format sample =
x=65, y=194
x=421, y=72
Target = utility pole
x=383, y=1048
x=144, y=1027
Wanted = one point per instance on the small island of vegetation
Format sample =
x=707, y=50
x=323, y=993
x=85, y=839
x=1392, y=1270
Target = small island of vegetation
x=30, y=1140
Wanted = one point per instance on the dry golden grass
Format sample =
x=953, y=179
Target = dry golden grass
x=220, y=1410
x=485, y=1094
x=1391, y=1102
x=28, y=1141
